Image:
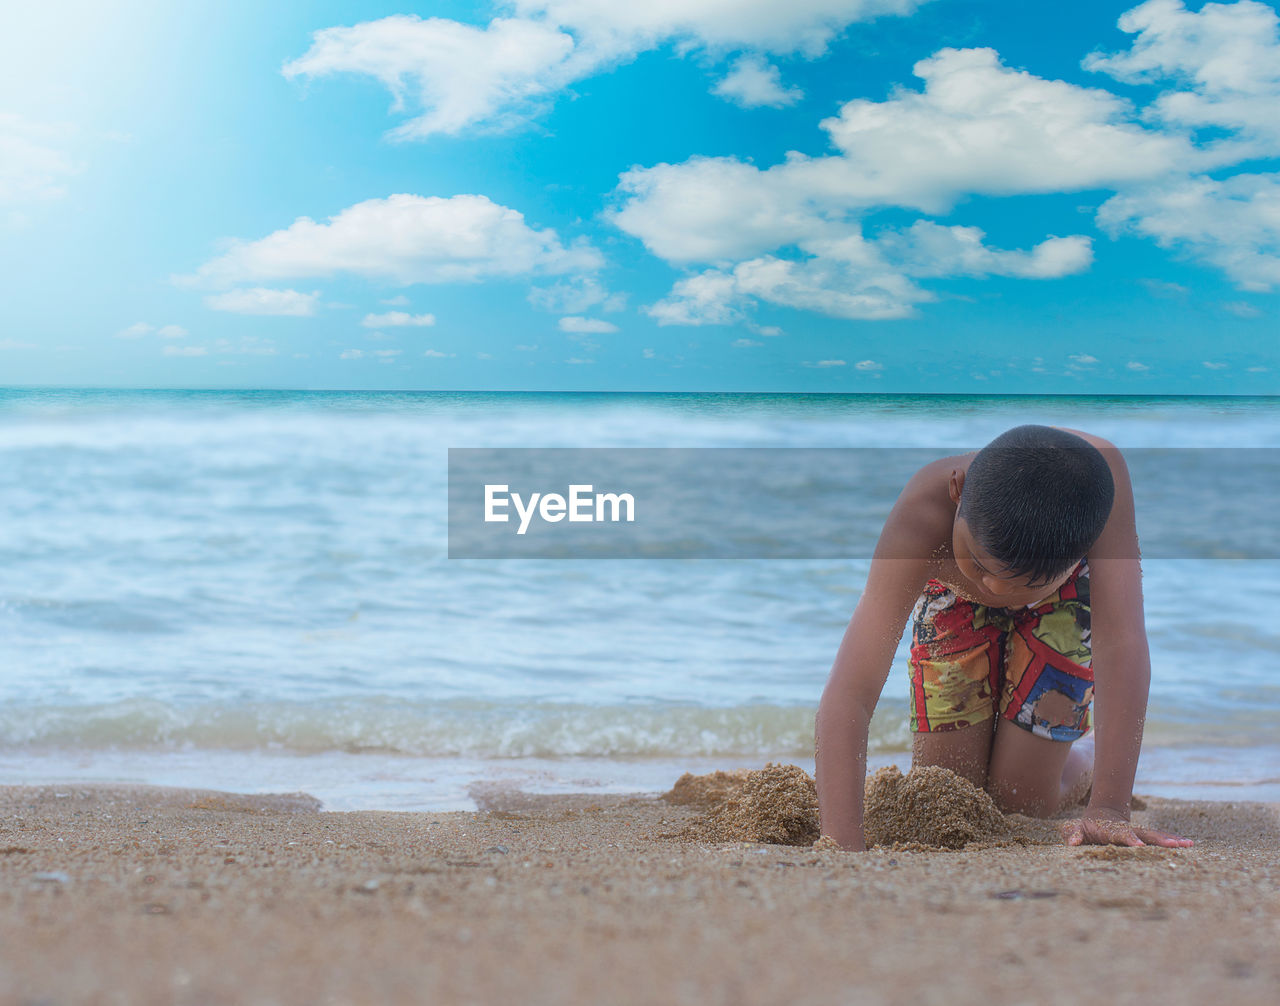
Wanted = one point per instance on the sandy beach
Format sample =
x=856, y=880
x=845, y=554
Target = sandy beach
x=114, y=894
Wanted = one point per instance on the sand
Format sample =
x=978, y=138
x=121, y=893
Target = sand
x=142, y=895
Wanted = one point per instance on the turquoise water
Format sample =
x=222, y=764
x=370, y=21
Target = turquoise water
x=251, y=590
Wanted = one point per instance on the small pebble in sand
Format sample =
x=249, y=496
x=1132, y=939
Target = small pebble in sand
x=930, y=806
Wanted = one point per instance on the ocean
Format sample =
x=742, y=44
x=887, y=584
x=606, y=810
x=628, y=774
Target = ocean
x=252, y=591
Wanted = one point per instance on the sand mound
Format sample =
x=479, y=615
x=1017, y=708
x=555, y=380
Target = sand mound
x=777, y=805
x=706, y=790
x=930, y=806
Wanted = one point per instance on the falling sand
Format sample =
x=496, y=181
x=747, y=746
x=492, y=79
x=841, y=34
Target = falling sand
x=778, y=805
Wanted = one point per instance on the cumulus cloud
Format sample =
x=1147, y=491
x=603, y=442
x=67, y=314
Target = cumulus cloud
x=172, y=350
x=1233, y=224
x=978, y=127
x=34, y=164
x=266, y=301
x=405, y=239
x=753, y=82
x=929, y=249
x=586, y=326
x=575, y=295
x=398, y=319
x=1222, y=65
x=861, y=279
x=459, y=76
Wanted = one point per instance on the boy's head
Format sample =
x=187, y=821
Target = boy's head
x=1035, y=499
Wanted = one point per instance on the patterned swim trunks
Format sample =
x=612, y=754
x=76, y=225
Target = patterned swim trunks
x=1030, y=665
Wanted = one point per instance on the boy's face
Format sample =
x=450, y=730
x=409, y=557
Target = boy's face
x=985, y=571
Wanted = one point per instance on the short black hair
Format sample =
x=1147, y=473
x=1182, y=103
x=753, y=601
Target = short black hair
x=1037, y=498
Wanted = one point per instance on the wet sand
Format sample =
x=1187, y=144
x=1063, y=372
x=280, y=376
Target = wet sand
x=141, y=895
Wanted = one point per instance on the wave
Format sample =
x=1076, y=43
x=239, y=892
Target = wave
x=464, y=728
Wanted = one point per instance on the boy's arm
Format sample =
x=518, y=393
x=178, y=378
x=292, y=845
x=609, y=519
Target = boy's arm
x=861, y=666
x=1121, y=671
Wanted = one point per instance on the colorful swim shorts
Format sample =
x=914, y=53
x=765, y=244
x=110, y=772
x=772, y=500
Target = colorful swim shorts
x=970, y=662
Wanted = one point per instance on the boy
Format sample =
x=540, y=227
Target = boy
x=1009, y=560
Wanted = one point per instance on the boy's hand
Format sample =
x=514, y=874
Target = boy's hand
x=1103, y=826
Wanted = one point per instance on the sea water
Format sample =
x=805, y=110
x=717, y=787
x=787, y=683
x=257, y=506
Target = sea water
x=251, y=590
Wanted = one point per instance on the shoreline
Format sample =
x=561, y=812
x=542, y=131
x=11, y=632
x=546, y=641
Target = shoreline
x=370, y=780
x=142, y=894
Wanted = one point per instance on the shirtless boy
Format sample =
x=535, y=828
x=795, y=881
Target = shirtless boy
x=1018, y=565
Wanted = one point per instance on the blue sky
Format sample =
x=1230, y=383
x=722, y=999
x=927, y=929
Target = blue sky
x=823, y=195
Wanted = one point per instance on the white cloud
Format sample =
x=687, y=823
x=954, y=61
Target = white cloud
x=929, y=249
x=140, y=329
x=978, y=127
x=351, y=354
x=398, y=319
x=746, y=343
x=1214, y=366
x=1223, y=60
x=584, y=326
x=1233, y=224
x=859, y=279
x=386, y=355
x=436, y=353
x=1082, y=360
x=1136, y=365
x=462, y=76
x=868, y=365
x=1241, y=309
x=406, y=239
x=578, y=359
x=17, y=344
x=705, y=299
x=827, y=363
x=525, y=348
x=804, y=26
x=576, y=295
x=262, y=300
x=753, y=82
x=172, y=350
x=400, y=300
x=33, y=164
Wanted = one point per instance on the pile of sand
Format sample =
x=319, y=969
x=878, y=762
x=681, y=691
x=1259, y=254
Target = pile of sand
x=706, y=790
x=929, y=806
x=777, y=805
